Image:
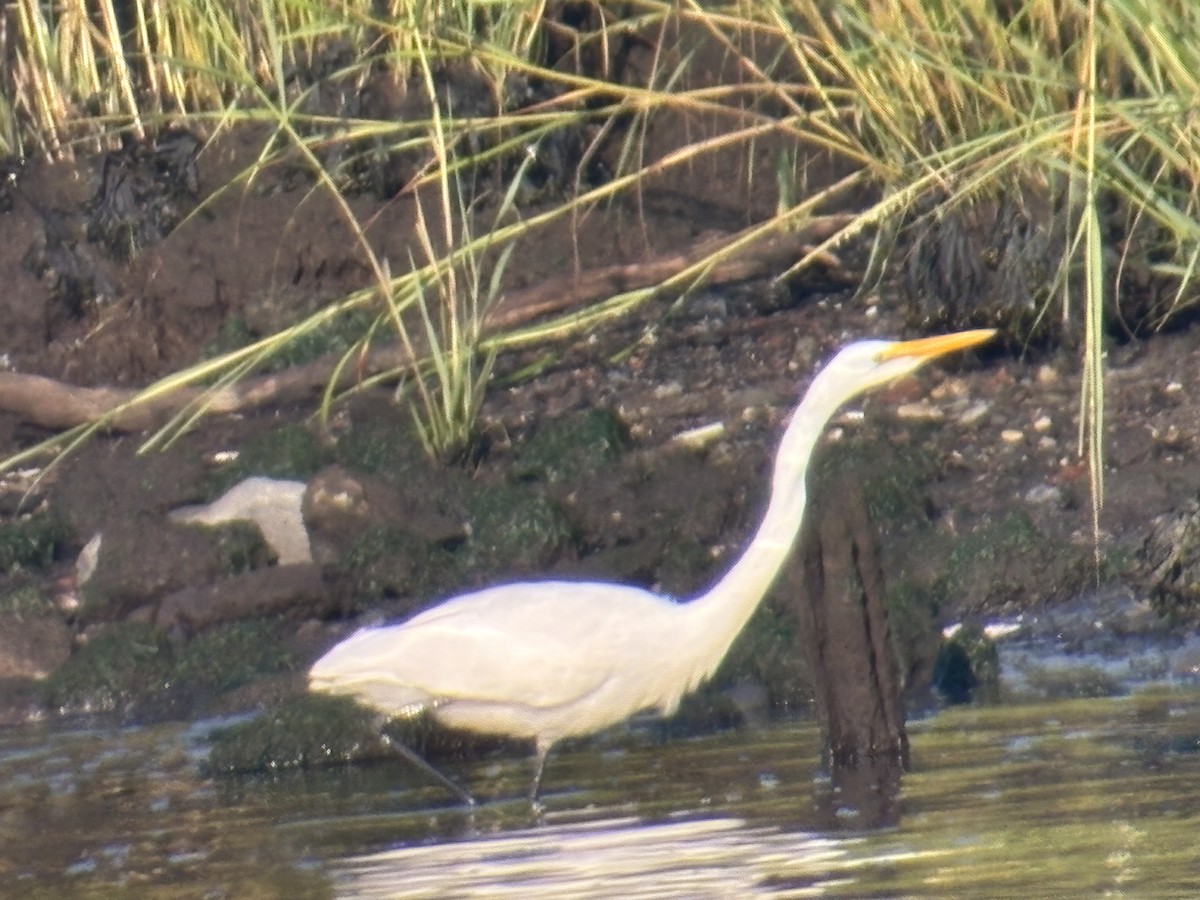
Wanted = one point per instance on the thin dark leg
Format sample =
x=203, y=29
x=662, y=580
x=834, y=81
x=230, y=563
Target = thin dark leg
x=416, y=759
x=539, y=766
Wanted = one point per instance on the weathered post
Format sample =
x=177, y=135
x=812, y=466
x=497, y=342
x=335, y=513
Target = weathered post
x=840, y=602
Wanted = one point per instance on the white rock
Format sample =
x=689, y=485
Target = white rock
x=271, y=504
x=85, y=563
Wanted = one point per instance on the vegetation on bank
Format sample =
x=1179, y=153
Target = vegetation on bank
x=1039, y=153
x=1023, y=164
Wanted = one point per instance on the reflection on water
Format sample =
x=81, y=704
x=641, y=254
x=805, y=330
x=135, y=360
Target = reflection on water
x=712, y=857
x=1073, y=798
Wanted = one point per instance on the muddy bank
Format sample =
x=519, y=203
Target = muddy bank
x=970, y=472
x=971, y=483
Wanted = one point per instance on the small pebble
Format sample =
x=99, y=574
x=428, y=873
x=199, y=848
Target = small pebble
x=85, y=563
x=920, y=411
x=1046, y=375
x=1043, y=493
x=974, y=413
x=1012, y=436
x=700, y=437
x=951, y=387
x=1171, y=438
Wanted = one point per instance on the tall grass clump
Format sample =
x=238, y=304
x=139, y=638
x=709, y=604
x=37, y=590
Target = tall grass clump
x=81, y=69
x=1068, y=126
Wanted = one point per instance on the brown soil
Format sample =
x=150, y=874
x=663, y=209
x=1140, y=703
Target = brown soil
x=993, y=435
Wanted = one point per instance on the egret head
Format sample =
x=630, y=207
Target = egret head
x=867, y=364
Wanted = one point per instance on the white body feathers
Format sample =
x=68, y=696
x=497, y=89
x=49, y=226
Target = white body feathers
x=552, y=659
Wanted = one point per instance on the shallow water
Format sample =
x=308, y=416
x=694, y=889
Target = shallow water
x=1080, y=797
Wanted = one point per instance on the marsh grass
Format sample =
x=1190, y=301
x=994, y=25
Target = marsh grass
x=934, y=107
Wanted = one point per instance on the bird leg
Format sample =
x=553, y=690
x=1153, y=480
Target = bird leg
x=539, y=766
x=421, y=763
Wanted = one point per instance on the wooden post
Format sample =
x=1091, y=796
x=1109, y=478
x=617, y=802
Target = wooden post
x=839, y=599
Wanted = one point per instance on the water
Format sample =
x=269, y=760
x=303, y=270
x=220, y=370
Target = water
x=1097, y=797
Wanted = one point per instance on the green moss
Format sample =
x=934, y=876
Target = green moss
x=335, y=336
x=1010, y=560
x=571, y=447
x=893, y=480
x=310, y=730
x=766, y=652
x=135, y=667
x=381, y=446
x=228, y=656
x=685, y=565
x=386, y=561
x=912, y=612
x=292, y=451
x=31, y=543
x=233, y=334
x=1014, y=534
x=26, y=600
x=124, y=665
x=288, y=452
x=242, y=546
x=515, y=529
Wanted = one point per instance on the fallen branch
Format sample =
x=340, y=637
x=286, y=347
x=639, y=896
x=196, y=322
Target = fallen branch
x=57, y=405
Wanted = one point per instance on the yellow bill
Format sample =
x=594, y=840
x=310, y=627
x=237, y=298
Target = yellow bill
x=929, y=347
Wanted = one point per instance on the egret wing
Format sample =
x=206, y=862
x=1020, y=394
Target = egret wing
x=542, y=644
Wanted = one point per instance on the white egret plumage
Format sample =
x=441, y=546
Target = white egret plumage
x=546, y=660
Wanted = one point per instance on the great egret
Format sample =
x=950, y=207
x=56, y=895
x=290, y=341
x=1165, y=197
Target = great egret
x=553, y=659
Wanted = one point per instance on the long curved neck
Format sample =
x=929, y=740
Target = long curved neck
x=720, y=613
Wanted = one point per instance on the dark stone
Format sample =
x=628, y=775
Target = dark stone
x=376, y=537
x=952, y=674
x=143, y=558
x=340, y=505
x=573, y=447
x=1167, y=565
x=295, y=590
